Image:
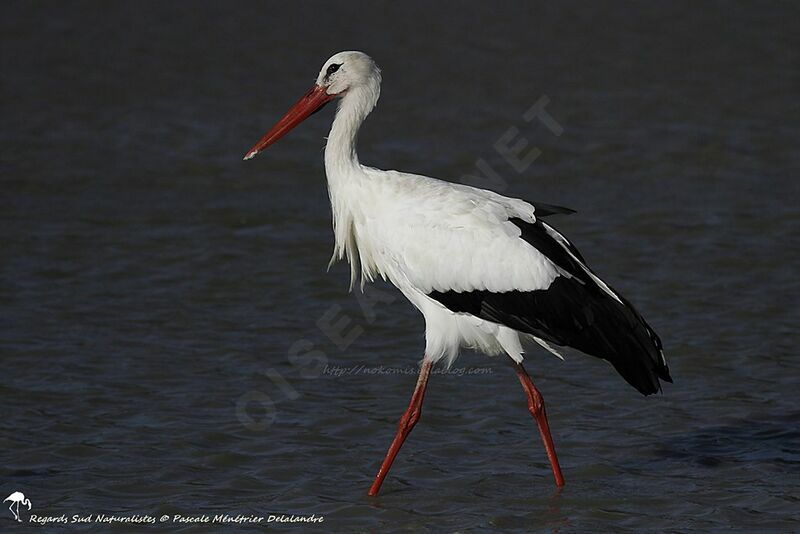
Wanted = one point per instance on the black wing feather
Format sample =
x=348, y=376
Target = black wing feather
x=544, y=210
x=574, y=311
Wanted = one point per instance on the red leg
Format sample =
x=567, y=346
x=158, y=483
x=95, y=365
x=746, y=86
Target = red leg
x=407, y=422
x=536, y=407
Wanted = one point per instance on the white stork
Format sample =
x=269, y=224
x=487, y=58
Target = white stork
x=485, y=270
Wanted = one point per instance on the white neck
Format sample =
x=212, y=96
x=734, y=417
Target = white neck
x=344, y=172
x=354, y=106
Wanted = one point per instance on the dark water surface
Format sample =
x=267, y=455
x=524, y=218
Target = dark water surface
x=162, y=301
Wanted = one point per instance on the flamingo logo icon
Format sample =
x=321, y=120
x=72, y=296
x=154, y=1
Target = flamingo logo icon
x=16, y=498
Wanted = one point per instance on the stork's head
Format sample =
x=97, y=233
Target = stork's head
x=347, y=70
x=344, y=74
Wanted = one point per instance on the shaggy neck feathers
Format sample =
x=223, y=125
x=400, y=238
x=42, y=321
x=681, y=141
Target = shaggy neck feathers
x=346, y=176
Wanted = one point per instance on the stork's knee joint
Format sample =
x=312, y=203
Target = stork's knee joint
x=409, y=419
x=535, y=404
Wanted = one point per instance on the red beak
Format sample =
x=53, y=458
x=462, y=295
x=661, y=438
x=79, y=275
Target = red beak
x=311, y=102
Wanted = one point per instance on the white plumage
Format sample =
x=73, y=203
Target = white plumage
x=485, y=271
x=423, y=234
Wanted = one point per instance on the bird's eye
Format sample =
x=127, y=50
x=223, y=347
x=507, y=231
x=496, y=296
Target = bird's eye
x=333, y=68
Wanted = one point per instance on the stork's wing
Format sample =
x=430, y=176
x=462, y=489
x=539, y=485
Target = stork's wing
x=490, y=256
x=578, y=310
x=439, y=236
